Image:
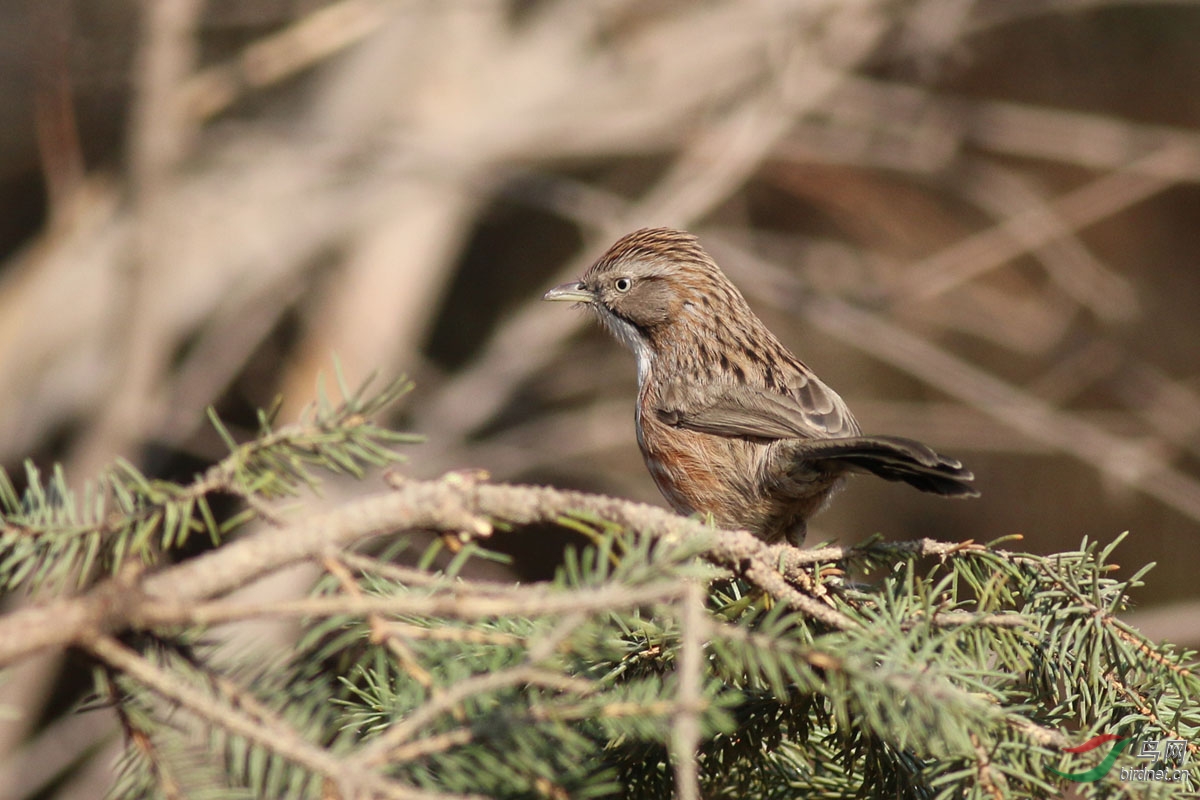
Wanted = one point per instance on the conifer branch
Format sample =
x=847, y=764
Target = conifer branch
x=258, y=725
x=55, y=536
x=944, y=663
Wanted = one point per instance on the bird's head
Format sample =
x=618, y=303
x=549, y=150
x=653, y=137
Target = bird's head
x=654, y=289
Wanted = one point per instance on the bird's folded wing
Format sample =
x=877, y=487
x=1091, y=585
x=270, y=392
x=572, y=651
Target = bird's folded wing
x=810, y=410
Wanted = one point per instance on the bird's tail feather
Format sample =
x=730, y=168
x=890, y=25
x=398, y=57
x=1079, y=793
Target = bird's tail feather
x=895, y=459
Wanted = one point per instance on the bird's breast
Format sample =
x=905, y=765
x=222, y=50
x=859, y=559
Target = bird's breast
x=698, y=472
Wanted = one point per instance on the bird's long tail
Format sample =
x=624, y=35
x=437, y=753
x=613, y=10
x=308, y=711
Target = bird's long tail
x=895, y=459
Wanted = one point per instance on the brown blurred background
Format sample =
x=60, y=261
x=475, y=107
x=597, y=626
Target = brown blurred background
x=977, y=219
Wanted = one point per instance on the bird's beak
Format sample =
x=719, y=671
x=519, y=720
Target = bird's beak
x=573, y=292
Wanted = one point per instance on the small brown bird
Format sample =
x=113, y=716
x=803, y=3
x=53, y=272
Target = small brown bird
x=729, y=422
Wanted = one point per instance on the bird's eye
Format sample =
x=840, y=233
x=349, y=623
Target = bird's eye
x=623, y=284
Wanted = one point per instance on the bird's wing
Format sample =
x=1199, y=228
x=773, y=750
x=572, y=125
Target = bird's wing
x=809, y=410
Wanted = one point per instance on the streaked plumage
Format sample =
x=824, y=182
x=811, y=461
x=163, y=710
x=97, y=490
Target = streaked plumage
x=728, y=420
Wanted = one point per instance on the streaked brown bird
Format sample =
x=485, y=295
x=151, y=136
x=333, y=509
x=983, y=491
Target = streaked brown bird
x=729, y=422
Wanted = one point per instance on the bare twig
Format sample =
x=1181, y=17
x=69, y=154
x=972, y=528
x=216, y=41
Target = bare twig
x=1060, y=135
x=381, y=630
x=1039, y=225
x=161, y=133
x=305, y=42
x=1034, y=224
x=466, y=603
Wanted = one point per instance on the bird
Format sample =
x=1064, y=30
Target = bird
x=729, y=422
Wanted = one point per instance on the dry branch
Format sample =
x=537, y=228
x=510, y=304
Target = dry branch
x=176, y=595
